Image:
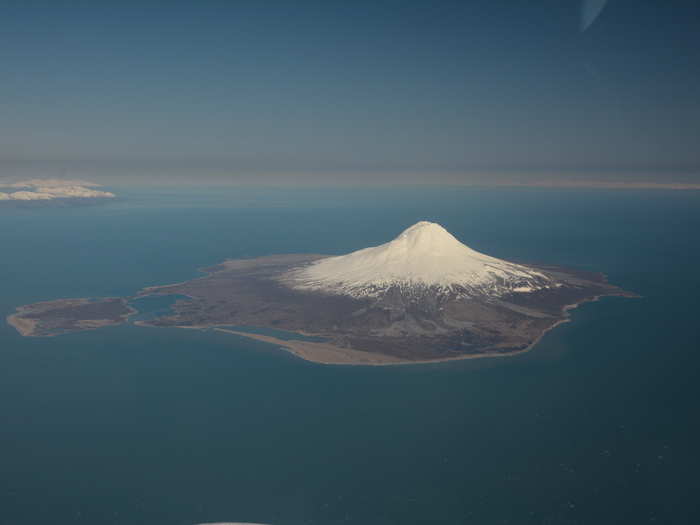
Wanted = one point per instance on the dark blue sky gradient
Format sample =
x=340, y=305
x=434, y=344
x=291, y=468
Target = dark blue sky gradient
x=459, y=90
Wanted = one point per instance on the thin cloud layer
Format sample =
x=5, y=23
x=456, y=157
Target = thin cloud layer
x=50, y=189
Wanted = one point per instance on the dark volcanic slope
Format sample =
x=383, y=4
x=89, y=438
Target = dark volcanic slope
x=412, y=325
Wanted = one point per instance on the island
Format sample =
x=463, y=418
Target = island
x=422, y=297
x=63, y=316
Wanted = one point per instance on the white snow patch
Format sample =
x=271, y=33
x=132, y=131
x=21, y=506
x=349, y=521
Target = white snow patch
x=424, y=255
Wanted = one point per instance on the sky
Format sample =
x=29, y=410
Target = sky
x=414, y=91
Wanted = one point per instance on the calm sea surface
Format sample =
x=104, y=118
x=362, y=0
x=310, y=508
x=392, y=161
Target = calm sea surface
x=129, y=425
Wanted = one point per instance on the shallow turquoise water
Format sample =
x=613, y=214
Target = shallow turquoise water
x=132, y=425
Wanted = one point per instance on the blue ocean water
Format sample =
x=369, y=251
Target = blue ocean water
x=130, y=425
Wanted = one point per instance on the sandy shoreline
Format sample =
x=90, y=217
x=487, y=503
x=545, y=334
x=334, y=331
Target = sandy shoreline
x=24, y=326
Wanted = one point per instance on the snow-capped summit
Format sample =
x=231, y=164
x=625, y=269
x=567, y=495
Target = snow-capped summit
x=425, y=255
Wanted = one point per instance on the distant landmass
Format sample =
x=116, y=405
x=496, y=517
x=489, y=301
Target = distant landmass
x=421, y=297
x=43, y=190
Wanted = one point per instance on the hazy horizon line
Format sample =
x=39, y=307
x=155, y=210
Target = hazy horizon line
x=358, y=180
